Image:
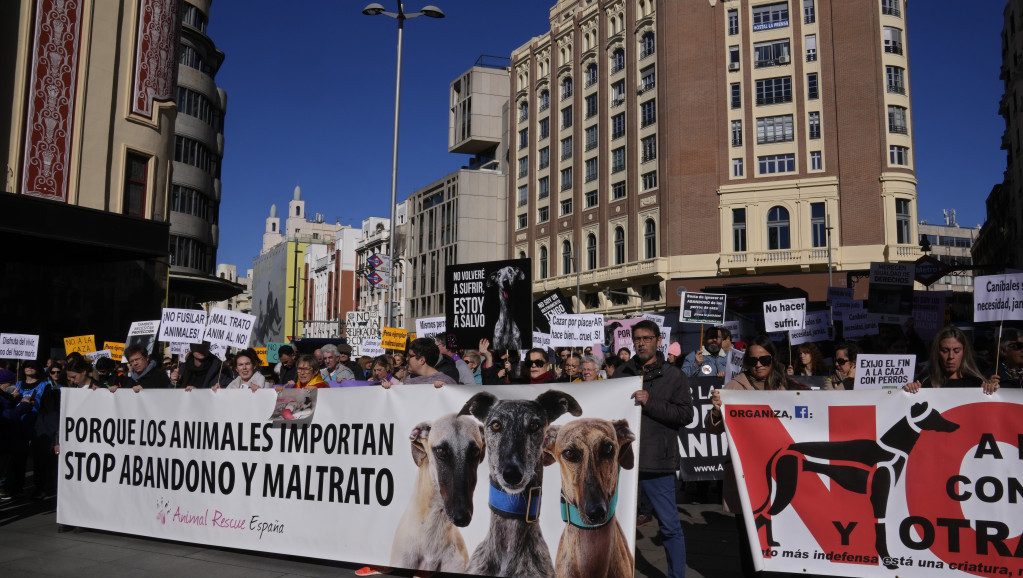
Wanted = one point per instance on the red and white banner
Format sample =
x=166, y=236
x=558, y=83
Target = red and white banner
x=878, y=483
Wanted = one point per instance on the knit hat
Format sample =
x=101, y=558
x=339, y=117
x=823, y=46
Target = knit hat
x=344, y=348
x=6, y=376
x=203, y=348
x=675, y=349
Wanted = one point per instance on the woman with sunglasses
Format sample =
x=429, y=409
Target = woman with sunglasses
x=844, y=375
x=538, y=366
x=952, y=364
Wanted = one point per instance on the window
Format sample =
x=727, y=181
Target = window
x=191, y=58
x=543, y=187
x=648, y=112
x=618, y=160
x=566, y=179
x=733, y=22
x=892, y=40
x=648, y=146
x=618, y=190
x=591, y=199
x=895, y=77
x=646, y=45
x=523, y=138
x=591, y=106
x=808, y=12
x=545, y=157
x=649, y=180
x=814, y=123
x=591, y=251
x=897, y=119
x=774, y=129
x=811, y=47
x=543, y=214
x=522, y=221
x=738, y=230
x=618, y=93
x=902, y=221
x=545, y=128
x=736, y=133
x=619, y=246
x=890, y=8
x=778, y=229
x=771, y=53
x=566, y=117
x=194, y=153
x=136, y=175
x=812, y=92
x=191, y=254
x=774, y=90
x=618, y=126
x=816, y=161
x=771, y=164
x=194, y=18
x=566, y=257
x=591, y=169
x=818, y=225
x=543, y=262
x=770, y=16
x=650, y=239
x=566, y=207
x=566, y=148
x=523, y=111
x=617, y=60
x=566, y=88
x=737, y=169
x=523, y=195
x=591, y=137
x=545, y=100
x=898, y=155
x=591, y=74
x=733, y=58
x=195, y=104
x=523, y=167
x=647, y=79
x=736, y=95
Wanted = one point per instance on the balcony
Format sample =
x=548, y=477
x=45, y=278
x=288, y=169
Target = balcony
x=761, y=100
x=811, y=55
x=893, y=48
x=896, y=89
x=897, y=129
x=789, y=258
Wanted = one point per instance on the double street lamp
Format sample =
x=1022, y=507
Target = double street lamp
x=401, y=16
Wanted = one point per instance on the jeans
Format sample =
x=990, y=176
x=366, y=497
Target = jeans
x=660, y=489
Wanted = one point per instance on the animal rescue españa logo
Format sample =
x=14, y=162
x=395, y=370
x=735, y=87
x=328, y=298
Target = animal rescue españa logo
x=962, y=487
x=169, y=515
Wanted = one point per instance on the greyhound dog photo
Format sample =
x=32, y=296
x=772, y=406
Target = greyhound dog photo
x=879, y=465
x=514, y=432
x=448, y=452
x=507, y=334
x=590, y=452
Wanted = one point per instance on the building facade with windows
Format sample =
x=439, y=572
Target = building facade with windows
x=330, y=284
x=662, y=144
x=952, y=244
x=242, y=301
x=375, y=239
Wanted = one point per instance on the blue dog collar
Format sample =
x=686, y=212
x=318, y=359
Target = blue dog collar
x=570, y=513
x=525, y=505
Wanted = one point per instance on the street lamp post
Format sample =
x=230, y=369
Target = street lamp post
x=375, y=9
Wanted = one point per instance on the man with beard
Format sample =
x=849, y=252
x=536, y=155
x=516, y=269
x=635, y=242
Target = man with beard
x=667, y=406
x=202, y=369
x=710, y=360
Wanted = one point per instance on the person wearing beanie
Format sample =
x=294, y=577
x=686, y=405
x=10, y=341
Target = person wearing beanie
x=202, y=369
x=675, y=354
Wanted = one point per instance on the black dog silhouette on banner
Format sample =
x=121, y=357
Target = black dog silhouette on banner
x=882, y=462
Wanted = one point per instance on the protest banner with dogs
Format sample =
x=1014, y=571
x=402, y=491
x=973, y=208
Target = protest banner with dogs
x=879, y=483
x=352, y=481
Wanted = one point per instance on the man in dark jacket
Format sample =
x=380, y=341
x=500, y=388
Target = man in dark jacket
x=202, y=369
x=1010, y=370
x=143, y=373
x=667, y=406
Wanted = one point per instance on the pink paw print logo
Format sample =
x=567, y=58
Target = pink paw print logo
x=162, y=506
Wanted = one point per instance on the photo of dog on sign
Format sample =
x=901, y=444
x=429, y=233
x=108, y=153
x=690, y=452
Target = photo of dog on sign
x=491, y=300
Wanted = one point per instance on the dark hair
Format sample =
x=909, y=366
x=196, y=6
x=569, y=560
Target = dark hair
x=384, y=361
x=286, y=350
x=614, y=361
x=776, y=379
x=136, y=348
x=649, y=326
x=251, y=354
x=105, y=364
x=31, y=363
x=851, y=349
x=539, y=351
x=79, y=365
x=426, y=348
x=817, y=366
x=723, y=332
x=309, y=360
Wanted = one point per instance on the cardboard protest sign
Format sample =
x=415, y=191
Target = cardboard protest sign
x=618, y=334
x=273, y=349
x=547, y=306
x=229, y=328
x=734, y=365
x=182, y=325
x=928, y=313
x=218, y=350
x=842, y=309
x=784, y=315
x=361, y=325
x=658, y=319
x=735, y=328
x=430, y=326
x=884, y=371
x=81, y=344
x=94, y=355
x=489, y=300
x=998, y=298
x=116, y=349
x=891, y=288
x=393, y=338
x=143, y=334
x=840, y=294
x=816, y=327
x=372, y=348
x=702, y=308
x=859, y=323
x=18, y=346
x=542, y=340
x=579, y=330
x=704, y=454
x=262, y=353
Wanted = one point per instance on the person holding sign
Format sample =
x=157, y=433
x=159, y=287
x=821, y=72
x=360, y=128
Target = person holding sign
x=202, y=369
x=710, y=360
x=952, y=364
x=844, y=375
x=143, y=373
x=246, y=363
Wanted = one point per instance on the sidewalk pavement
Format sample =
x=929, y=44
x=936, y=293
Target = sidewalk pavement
x=33, y=548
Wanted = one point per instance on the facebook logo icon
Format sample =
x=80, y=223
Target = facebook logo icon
x=802, y=411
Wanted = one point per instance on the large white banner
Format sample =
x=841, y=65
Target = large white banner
x=998, y=298
x=345, y=473
x=880, y=483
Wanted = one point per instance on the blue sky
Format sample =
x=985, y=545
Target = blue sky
x=311, y=94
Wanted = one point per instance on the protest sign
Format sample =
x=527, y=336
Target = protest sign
x=703, y=453
x=18, y=346
x=393, y=338
x=891, y=288
x=658, y=319
x=928, y=313
x=261, y=353
x=842, y=309
x=579, y=330
x=784, y=315
x=542, y=340
x=81, y=344
x=219, y=351
x=735, y=328
x=430, y=326
x=839, y=295
x=361, y=325
x=734, y=365
x=547, y=306
x=933, y=474
x=884, y=371
x=116, y=349
x=273, y=349
x=143, y=334
x=179, y=349
x=213, y=468
x=859, y=323
x=372, y=348
x=618, y=334
x=489, y=300
x=229, y=328
x=92, y=356
x=998, y=298
x=182, y=325
x=702, y=308
x=816, y=327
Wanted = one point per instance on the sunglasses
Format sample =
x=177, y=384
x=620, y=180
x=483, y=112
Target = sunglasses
x=1015, y=345
x=840, y=361
x=537, y=362
x=55, y=372
x=764, y=360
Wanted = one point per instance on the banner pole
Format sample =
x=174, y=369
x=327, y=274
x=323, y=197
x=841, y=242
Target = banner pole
x=998, y=345
x=789, y=334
